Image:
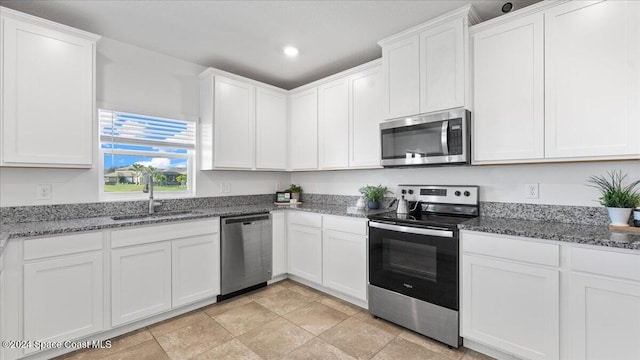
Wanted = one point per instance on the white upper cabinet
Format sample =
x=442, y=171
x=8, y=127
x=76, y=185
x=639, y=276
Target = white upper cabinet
x=243, y=123
x=442, y=55
x=234, y=114
x=366, y=115
x=271, y=130
x=47, y=93
x=508, y=88
x=424, y=67
x=592, y=79
x=402, y=78
x=333, y=124
x=304, y=130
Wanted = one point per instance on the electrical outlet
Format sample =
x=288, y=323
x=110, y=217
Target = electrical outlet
x=43, y=192
x=226, y=188
x=532, y=191
x=277, y=185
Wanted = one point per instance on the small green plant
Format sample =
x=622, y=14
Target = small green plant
x=294, y=188
x=614, y=194
x=374, y=193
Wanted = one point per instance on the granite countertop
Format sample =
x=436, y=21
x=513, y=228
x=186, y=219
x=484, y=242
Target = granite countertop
x=565, y=232
x=40, y=228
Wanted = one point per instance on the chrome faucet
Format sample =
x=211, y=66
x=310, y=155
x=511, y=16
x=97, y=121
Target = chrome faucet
x=148, y=188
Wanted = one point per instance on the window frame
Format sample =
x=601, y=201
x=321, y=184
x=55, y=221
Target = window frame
x=135, y=195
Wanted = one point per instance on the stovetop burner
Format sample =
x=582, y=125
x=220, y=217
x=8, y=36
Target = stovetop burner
x=418, y=219
x=439, y=206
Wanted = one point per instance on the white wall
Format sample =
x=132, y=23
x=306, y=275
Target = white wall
x=135, y=80
x=560, y=184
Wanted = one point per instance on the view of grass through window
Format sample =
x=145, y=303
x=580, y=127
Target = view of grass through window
x=132, y=177
x=135, y=146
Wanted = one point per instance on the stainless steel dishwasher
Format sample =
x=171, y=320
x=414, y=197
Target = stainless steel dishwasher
x=245, y=252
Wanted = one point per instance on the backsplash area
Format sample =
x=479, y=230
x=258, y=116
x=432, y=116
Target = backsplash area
x=586, y=215
x=18, y=214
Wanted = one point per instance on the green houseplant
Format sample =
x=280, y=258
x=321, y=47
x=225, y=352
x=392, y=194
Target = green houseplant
x=373, y=194
x=619, y=199
x=295, y=191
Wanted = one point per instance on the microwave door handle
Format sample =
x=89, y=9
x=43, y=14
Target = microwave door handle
x=444, y=137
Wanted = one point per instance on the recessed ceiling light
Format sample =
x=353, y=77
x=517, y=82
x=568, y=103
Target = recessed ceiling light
x=290, y=51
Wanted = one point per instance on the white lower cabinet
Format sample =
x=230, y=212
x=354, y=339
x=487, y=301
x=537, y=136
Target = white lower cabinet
x=304, y=244
x=279, y=243
x=518, y=293
x=159, y=267
x=344, y=263
x=193, y=275
x=63, y=297
x=512, y=307
x=140, y=282
x=330, y=251
x=604, y=318
x=511, y=294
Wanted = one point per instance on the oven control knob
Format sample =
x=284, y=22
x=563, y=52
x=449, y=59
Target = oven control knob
x=404, y=191
x=457, y=193
x=466, y=193
x=410, y=192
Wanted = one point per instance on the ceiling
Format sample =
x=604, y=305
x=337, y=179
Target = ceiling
x=247, y=37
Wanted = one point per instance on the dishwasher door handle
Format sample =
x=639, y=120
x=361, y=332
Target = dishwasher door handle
x=245, y=219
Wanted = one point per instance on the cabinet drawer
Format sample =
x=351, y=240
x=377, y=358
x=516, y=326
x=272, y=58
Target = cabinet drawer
x=511, y=248
x=153, y=233
x=62, y=245
x=605, y=262
x=345, y=224
x=306, y=219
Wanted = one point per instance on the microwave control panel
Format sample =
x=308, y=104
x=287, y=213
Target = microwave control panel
x=455, y=137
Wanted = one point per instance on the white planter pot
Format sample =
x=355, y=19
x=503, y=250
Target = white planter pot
x=619, y=216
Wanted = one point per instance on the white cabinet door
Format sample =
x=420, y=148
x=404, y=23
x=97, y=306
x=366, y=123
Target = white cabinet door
x=304, y=130
x=592, y=79
x=279, y=229
x=140, y=281
x=234, y=124
x=333, y=124
x=604, y=319
x=271, y=130
x=195, y=268
x=442, y=67
x=511, y=307
x=47, y=97
x=304, y=244
x=344, y=263
x=508, y=80
x=63, y=298
x=401, y=78
x=365, y=118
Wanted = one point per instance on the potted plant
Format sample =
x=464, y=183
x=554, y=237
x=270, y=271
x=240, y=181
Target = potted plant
x=295, y=191
x=616, y=197
x=373, y=194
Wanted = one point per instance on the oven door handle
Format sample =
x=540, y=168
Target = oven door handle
x=412, y=230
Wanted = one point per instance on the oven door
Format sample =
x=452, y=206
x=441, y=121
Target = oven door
x=418, y=262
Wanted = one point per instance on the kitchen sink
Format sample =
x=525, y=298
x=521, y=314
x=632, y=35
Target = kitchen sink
x=154, y=215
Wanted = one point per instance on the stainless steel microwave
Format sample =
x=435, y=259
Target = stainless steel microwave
x=434, y=139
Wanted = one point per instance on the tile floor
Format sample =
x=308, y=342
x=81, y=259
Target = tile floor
x=285, y=320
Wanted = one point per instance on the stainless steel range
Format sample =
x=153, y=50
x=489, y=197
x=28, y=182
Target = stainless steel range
x=413, y=260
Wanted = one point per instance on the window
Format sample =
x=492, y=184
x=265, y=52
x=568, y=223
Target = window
x=133, y=145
